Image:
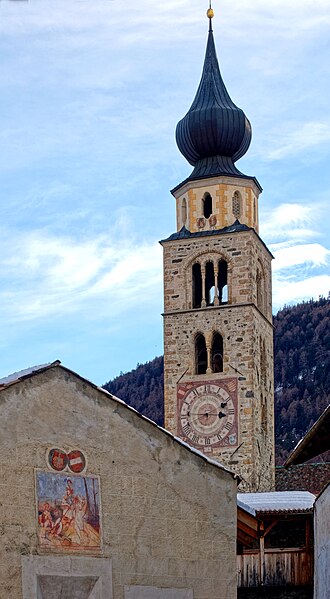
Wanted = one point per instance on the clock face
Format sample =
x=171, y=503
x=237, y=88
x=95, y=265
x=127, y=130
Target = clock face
x=207, y=413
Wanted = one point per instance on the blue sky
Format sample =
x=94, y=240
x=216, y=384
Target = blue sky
x=90, y=94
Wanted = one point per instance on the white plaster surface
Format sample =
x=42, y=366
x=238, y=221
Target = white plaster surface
x=140, y=592
x=322, y=545
x=54, y=577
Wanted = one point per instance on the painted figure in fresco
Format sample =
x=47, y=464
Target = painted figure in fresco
x=69, y=519
x=45, y=520
x=67, y=505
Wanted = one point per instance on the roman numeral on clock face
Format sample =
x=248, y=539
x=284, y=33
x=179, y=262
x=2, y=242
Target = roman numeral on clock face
x=186, y=429
x=228, y=426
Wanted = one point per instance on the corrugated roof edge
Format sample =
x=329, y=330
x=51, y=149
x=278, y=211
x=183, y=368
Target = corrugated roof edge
x=57, y=364
x=246, y=507
x=278, y=502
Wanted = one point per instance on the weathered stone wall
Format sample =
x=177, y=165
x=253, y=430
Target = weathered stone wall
x=248, y=343
x=243, y=251
x=168, y=516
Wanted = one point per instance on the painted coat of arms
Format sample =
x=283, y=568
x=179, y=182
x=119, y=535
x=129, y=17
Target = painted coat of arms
x=68, y=511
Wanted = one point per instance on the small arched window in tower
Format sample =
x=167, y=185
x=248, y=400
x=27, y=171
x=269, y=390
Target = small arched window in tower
x=209, y=284
x=184, y=211
x=200, y=354
x=217, y=353
x=207, y=205
x=223, y=281
x=237, y=204
x=196, y=285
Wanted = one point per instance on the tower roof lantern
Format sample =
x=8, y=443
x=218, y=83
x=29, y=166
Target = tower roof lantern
x=214, y=133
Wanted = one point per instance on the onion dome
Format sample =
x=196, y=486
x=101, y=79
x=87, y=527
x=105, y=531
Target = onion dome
x=215, y=132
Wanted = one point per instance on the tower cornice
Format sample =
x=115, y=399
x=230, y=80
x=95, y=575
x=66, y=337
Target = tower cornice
x=227, y=179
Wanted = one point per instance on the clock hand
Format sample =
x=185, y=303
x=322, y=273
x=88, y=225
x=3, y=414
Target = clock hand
x=207, y=414
x=224, y=403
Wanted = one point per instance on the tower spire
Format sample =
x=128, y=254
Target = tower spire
x=215, y=132
x=210, y=15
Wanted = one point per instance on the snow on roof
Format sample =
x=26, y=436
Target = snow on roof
x=15, y=376
x=277, y=501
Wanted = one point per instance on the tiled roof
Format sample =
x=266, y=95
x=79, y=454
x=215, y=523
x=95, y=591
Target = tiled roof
x=302, y=477
x=277, y=502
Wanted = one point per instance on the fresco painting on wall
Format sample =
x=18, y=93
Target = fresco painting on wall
x=68, y=511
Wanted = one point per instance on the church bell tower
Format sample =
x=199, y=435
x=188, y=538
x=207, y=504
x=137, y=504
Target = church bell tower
x=218, y=333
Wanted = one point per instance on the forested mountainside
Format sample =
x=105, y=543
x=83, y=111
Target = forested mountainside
x=302, y=371
x=302, y=375
x=142, y=388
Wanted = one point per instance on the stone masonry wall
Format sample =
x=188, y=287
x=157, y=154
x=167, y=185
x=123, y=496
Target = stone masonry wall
x=248, y=343
x=244, y=253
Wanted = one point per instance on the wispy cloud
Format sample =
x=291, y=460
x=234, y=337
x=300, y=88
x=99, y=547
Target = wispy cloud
x=312, y=254
x=291, y=221
x=290, y=292
x=292, y=140
x=300, y=268
x=47, y=276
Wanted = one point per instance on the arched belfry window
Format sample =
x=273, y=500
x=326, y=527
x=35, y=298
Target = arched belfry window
x=237, y=204
x=196, y=285
x=223, y=281
x=200, y=355
x=217, y=353
x=209, y=283
x=207, y=205
x=184, y=211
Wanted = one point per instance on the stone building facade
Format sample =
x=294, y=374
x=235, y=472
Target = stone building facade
x=218, y=332
x=98, y=502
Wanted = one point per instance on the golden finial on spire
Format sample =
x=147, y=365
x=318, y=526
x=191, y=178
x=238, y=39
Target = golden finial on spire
x=210, y=12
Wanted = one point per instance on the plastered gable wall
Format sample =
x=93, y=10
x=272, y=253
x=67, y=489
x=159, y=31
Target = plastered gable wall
x=168, y=517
